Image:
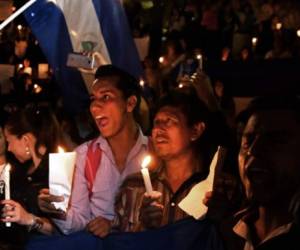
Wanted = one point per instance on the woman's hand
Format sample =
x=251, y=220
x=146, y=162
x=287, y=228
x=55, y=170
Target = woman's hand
x=14, y=212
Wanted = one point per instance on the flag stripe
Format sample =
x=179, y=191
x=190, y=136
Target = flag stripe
x=82, y=28
x=61, y=25
x=117, y=36
x=48, y=24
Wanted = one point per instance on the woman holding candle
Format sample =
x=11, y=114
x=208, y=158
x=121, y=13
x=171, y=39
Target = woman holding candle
x=31, y=134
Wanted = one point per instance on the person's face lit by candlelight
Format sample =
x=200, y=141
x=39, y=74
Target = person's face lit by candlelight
x=171, y=134
x=108, y=107
x=269, y=156
x=111, y=106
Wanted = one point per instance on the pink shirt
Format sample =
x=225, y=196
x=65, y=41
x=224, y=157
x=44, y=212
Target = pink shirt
x=106, y=184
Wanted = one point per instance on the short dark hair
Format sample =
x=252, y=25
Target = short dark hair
x=194, y=110
x=125, y=82
x=189, y=104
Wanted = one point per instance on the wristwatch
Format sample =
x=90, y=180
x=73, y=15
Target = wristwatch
x=36, y=223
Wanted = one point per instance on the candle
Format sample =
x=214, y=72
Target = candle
x=28, y=70
x=254, y=42
x=61, y=169
x=278, y=26
x=7, y=186
x=43, y=69
x=37, y=88
x=200, y=61
x=142, y=83
x=20, y=66
x=145, y=173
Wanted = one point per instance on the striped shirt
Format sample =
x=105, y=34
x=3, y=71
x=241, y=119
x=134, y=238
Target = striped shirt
x=130, y=197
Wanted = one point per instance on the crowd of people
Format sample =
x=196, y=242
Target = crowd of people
x=221, y=26
x=261, y=215
x=255, y=200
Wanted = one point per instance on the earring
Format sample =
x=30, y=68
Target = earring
x=27, y=151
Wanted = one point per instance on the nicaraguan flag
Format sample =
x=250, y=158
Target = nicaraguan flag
x=61, y=26
x=187, y=234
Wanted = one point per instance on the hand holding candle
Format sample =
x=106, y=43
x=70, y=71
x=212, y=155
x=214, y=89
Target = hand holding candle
x=145, y=173
x=200, y=61
x=7, y=186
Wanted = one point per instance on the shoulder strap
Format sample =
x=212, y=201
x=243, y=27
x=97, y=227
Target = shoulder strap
x=92, y=164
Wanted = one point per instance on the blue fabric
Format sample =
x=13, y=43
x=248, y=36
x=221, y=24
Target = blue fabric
x=187, y=234
x=117, y=36
x=49, y=27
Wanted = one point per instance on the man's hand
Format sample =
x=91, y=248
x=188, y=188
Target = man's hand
x=207, y=198
x=45, y=200
x=99, y=226
x=151, y=212
x=224, y=199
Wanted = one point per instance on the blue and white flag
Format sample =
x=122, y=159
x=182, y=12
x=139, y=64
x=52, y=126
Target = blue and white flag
x=63, y=26
x=187, y=234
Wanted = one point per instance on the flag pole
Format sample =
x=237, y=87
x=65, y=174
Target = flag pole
x=18, y=12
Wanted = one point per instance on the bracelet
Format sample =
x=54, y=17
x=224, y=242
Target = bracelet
x=36, y=223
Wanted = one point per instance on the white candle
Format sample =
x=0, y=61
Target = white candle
x=200, y=61
x=7, y=186
x=61, y=169
x=28, y=70
x=254, y=42
x=142, y=83
x=145, y=173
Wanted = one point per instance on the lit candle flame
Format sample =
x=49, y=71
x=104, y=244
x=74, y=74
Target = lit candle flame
x=199, y=56
x=37, y=88
x=278, y=26
x=142, y=83
x=60, y=149
x=180, y=85
x=146, y=161
x=161, y=59
x=298, y=33
x=254, y=41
